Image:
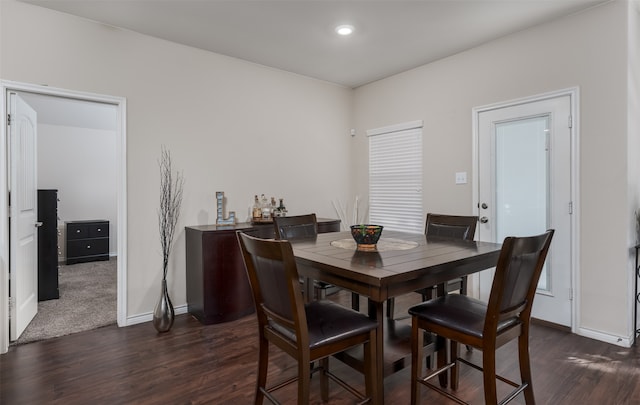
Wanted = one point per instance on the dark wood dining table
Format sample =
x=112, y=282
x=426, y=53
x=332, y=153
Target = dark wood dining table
x=402, y=263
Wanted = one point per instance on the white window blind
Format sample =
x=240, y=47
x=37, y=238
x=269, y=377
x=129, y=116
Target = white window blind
x=395, y=177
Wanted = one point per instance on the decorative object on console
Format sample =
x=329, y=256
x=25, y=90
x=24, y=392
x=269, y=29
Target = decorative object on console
x=168, y=214
x=366, y=236
x=221, y=220
x=281, y=210
x=357, y=215
x=263, y=211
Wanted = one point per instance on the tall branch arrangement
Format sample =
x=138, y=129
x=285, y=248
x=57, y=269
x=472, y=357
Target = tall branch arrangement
x=170, y=202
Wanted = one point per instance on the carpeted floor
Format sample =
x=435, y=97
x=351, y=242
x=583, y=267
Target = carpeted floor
x=87, y=301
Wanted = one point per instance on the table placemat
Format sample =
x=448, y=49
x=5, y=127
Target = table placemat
x=382, y=246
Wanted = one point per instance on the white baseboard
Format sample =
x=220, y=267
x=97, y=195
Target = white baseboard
x=605, y=337
x=148, y=317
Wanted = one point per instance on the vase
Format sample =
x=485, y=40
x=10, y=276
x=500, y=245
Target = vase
x=163, y=313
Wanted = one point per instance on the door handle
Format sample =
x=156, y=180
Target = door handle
x=484, y=220
x=38, y=224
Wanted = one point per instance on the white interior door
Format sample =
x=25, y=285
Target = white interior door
x=23, y=215
x=524, y=188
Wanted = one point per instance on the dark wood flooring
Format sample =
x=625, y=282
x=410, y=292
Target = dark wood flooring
x=216, y=364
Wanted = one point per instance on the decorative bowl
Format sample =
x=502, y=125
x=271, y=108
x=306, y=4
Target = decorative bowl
x=366, y=236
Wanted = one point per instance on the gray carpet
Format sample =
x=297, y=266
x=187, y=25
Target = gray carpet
x=87, y=301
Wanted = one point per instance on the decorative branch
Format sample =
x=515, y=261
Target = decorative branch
x=359, y=215
x=170, y=202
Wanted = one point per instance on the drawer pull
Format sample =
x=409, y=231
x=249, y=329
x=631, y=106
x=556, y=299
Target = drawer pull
x=77, y=230
x=99, y=229
x=88, y=246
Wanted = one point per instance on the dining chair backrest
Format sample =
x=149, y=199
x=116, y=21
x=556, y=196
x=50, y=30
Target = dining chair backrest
x=460, y=319
x=296, y=227
x=309, y=332
x=275, y=285
x=515, y=281
x=451, y=226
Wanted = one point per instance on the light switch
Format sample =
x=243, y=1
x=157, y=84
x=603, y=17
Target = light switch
x=461, y=178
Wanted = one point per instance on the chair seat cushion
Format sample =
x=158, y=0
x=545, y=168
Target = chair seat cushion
x=329, y=322
x=458, y=312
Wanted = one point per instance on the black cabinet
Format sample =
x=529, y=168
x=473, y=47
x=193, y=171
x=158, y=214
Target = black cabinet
x=87, y=241
x=48, y=245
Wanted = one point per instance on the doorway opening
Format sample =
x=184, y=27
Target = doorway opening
x=47, y=99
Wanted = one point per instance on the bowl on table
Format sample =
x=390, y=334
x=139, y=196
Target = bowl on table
x=366, y=236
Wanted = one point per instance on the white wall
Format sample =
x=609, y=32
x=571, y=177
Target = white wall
x=588, y=50
x=230, y=125
x=633, y=74
x=81, y=164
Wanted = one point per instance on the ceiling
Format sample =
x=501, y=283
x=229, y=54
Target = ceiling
x=391, y=36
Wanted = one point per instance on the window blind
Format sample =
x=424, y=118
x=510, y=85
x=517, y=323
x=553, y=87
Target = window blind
x=395, y=177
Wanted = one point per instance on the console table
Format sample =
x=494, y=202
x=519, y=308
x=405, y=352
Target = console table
x=217, y=286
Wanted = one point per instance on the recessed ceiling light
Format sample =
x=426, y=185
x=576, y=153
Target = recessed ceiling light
x=344, y=29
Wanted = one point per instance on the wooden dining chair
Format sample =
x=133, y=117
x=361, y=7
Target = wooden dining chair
x=296, y=227
x=450, y=227
x=486, y=326
x=302, y=227
x=454, y=227
x=307, y=332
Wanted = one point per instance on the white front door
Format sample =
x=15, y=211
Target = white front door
x=23, y=223
x=524, y=188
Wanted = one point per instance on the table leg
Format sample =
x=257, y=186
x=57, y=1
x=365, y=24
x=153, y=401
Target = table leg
x=308, y=289
x=376, y=312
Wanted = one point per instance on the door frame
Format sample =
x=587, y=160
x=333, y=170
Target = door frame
x=121, y=149
x=574, y=95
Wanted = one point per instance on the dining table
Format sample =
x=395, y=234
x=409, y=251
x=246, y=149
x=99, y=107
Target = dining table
x=400, y=263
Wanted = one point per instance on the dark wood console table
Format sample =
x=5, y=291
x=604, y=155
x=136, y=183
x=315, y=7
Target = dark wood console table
x=217, y=285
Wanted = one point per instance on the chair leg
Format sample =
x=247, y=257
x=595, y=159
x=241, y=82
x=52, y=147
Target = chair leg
x=455, y=370
x=463, y=291
x=463, y=285
x=428, y=294
x=525, y=367
x=263, y=363
x=304, y=379
x=489, y=375
x=417, y=342
x=390, y=307
x=355, y=301
x=371, y=366
x=324, y=379
x=441, y=359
